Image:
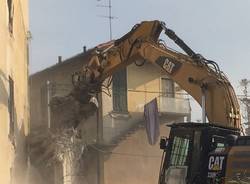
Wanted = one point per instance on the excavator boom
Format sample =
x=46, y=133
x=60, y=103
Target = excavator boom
x=195, y=74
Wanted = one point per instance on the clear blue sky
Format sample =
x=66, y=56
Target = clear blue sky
x=218, y=29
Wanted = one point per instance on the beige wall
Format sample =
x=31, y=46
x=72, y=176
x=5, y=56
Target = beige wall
x=134, y=160
x=143, y=85
x=144, y=78
x=13, y=63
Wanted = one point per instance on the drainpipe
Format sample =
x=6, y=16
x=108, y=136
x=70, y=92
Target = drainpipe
x=100, y=163
x=203, y=102
x=48, y=103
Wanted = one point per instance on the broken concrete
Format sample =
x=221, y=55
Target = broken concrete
x=72, y=110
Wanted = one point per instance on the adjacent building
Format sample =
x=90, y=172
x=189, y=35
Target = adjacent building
x=14, y=106
x=115, y=135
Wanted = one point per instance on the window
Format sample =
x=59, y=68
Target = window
x=120, y=103
x=11, y=108
x=11, y=13
x=179, y=151
x=218, y=142
x=167, y=87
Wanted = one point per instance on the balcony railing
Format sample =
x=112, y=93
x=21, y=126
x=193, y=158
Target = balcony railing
x=167, y=103
x=173, y=105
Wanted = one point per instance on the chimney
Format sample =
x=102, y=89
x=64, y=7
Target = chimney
x=59, y=59
x=84, y=49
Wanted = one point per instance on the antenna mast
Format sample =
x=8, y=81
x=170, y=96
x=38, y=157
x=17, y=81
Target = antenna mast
x=110, y=17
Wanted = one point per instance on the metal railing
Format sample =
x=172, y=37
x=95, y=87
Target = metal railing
x=173, y=105
x=167, y=102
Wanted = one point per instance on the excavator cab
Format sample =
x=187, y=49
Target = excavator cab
x=188, y=157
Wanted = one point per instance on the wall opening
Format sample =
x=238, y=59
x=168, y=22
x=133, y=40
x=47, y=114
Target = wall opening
x=11, y=13
x=11, y=107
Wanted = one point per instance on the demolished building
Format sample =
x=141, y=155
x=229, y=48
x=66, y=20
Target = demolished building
x=110, y=135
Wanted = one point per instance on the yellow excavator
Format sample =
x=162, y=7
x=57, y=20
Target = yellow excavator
x=207, y=152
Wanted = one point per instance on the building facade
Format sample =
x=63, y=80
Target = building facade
x=116, y=132
x=14, y=106
x=131, y=159
x=56, y=82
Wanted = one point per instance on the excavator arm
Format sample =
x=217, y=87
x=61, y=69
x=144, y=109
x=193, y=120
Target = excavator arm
x=196, y=75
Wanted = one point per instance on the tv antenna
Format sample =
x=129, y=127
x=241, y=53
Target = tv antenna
x=109, y=16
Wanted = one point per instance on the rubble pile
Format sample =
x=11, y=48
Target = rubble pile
x=63, y=141
x=67, y=112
